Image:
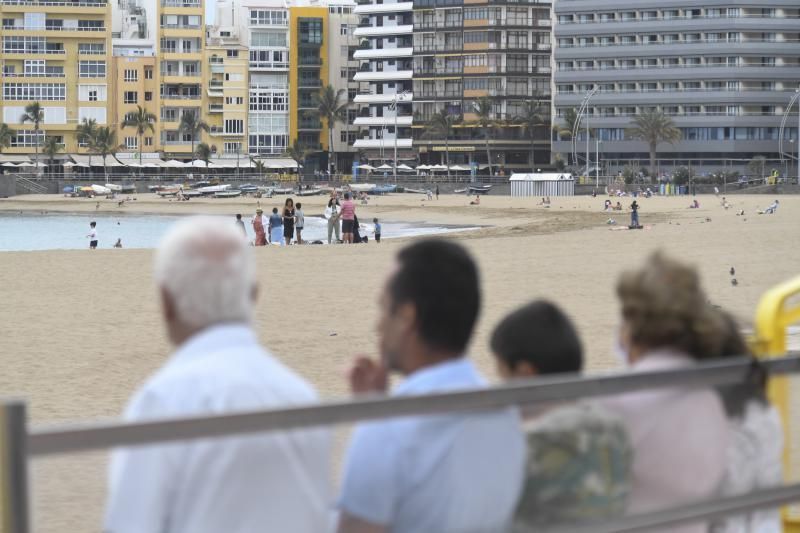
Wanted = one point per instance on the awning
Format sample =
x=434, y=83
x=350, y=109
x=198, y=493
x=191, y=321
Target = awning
x=230, y=162
x=278, y=162
x=96, y=160
x=14, y=158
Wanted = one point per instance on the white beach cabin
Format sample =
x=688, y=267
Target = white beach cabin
x=541, y=185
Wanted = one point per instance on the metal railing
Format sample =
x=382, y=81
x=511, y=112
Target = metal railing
x=18, y=443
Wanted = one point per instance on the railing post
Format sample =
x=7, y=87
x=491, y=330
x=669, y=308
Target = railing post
x=13, y=468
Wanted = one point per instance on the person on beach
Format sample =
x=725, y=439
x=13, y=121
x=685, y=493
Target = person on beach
x=772, y=208
x=444, y=473
x=118, y=244
x=635, y=214
x=437, y=192
x=275, y=228
x=288, y=220
x=348, y=218
x=260, y=225
x=92, y=235
x=206, y=276
x=240, y=225
x=333, y=213
x=579, y=454
x=377, y=230
x=667, y=324
x=300, y=222
x=476, y=201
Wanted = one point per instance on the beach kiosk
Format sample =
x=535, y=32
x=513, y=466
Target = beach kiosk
x=542, y=184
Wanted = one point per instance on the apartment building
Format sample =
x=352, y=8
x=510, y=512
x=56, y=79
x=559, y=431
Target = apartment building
x=385, y=51
x=493, y=50
x=226, y=99
x=57, y=56
x=342, y=68
x=723, y=71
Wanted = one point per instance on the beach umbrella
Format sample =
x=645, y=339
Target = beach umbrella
x=385, y=167
x=405, y=168
x=26, y=164
x=366, y=167
x=133, y=164
x=69, y=164
x=150, y=165
x=9, y=165
x=82, y=165
x=438, y=167
x=174, y=163
x=423, y=167
x=39, y=164
x=458, y=168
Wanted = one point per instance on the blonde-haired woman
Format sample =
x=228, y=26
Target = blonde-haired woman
x=679, y=435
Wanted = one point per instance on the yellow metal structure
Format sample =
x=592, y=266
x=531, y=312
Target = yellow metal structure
x=778, y=309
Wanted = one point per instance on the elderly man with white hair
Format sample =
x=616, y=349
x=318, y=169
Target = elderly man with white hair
x=277, y=481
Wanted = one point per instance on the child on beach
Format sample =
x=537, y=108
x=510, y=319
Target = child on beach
x=300, y=222
x=377, y=230
x=92, y=235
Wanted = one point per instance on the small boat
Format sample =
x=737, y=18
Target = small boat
x=233, y=193
x=214, y=189
x=460, y=191
x=113, y=187
x=310, y=192
x=199, y=184
x=191, y=194
x=164, y=193
x=100, y=189
x=283, y=190
x=362, y=187
x=384, y=189
x=480, y=189
x=128, y=188
x=248, y=187
x=416, y=191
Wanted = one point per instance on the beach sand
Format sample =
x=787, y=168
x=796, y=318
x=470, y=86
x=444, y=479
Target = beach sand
x=82, y=329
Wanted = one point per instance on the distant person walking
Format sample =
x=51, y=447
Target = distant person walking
x=260, y=224
x=300, y=221
x=240, y=224
x=348, y=218
x=92, y=235
x=377, y=230
x=437, y=192
x=275, y=227
x=634, y=214
x=333, y=213
x=288, y=220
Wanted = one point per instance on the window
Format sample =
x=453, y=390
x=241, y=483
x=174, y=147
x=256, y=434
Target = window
x=148, y=96
x=268, y=38
x=233, y=53
x=8, y=24
x=90, y=25
x=234, y=126
x=131, y=143
x=148, y=73
x=92, y=113
x=92, y=93
x=310, y=31
x=266, y=17
x=343, y=29
x=91, y=48
x=92, y=69
x=232, y=148
x=131, y=75
x=148, y=141
x=233, y=77
x=34, y=91
x=27, y=138
x=131, y=97
x=35, y=21
x=269, y=99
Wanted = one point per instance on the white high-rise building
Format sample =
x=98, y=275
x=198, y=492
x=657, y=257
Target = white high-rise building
x=386, y=50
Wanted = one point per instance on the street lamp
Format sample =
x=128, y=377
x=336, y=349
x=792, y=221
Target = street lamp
x=598, y=142
x=393, y=107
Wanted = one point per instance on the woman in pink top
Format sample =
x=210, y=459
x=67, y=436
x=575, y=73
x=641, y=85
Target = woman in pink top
x=348, y=218
x=680, y=435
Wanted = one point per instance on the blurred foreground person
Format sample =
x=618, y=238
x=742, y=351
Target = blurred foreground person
x=755, y=456
x=275, y=481
x=679, y=435
x=443, y=473
x=579, y=454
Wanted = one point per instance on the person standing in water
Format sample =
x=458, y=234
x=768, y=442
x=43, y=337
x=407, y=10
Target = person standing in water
x=348, y=218
x=275, y=228
x=300, y=221
x=333, y=213
x=288, y=221
x=92, y=235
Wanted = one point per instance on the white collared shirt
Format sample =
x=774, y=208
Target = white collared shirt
x=680, y=438
x=448, y=473
x=241, y=484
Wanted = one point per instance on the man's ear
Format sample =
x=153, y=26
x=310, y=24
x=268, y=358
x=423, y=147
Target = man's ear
x=405, y=316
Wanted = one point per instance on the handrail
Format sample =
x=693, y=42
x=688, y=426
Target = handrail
x=88, y=436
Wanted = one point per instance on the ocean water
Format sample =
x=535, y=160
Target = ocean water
x=28, y=232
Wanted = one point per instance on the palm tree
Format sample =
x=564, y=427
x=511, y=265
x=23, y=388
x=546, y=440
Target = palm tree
x=298, y=153
x=35, y=115
x=260, y=167
x=442, y=124
x=332, y=110
x=533, y=116
x=203, y=153
x=51, y=147
x=105, y=144
x=483, y=108
x=565, y=130
x=6, y=134
x=192, y=124
x=654, y=127
x=142, y=120
x=86, y=132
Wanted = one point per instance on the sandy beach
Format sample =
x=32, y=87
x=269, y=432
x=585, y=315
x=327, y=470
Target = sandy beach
x=82, y=329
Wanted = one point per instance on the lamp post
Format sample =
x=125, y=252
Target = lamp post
x=394, y=108
x=597, y=163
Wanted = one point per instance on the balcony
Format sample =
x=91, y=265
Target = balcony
x=369, y=9
x=54, y=3
x=369, y=98
x=181, y=96
x=55, y=28
x=380, y=53
x=180, y=26
x=383, y=121
x=382, y=143
x=34, y=51
x=52, y=74
x=215, y=108
x=309, y=83
x=381, y=31
x=180, y=3
x=219, y=131
x=383, y=76
x=309, y=124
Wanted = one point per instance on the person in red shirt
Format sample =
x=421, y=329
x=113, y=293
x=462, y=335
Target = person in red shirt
x=348, y=218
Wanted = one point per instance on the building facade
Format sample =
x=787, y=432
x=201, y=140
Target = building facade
x=385, y=34
x=493, y=52
x=723, y=71
x=342, y=68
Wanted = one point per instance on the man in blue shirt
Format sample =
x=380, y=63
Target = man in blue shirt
x=452, y=472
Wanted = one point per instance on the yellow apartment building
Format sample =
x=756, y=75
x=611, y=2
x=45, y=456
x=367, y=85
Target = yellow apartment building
x=135, y=83
x=226, y=82
x=56, y=54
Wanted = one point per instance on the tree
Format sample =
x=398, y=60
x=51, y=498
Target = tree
x=86, y=132
x=533, y=117
x=105, y=144
x=141, y=120
x=260, y=167
x=203, y=153
x=298, y=153
x=332, y=110
x=758, y=166
x=6, y=134
x=442, y=124
x=564, y=131
x=484, y=108
x=654, y=127
x=34, y=113
x=51, y=147
x=192, y=124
